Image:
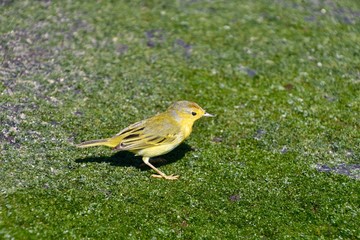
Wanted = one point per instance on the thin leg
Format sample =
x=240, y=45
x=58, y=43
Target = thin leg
x=160, y=173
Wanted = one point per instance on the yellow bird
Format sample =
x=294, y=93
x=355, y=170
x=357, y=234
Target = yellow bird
x=157, y=135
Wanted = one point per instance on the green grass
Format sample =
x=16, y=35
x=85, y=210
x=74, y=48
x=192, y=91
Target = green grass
x=280, y=160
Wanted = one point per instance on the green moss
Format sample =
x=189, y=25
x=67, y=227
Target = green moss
x=280, y=160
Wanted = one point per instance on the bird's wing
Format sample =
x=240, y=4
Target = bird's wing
x=148, y=133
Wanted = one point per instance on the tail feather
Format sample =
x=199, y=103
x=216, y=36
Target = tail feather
x=100, y=142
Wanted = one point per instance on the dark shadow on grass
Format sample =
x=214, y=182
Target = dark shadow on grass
x=127, y=159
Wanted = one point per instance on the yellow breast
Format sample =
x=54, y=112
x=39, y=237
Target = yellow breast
x=186, y=130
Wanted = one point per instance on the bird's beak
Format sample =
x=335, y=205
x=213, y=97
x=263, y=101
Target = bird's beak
x=208, y=115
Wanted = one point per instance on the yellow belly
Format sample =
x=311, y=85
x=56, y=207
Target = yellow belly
x=165, y=148
x=156, y=151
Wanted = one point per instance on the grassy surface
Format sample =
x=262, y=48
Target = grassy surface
x=280, y=160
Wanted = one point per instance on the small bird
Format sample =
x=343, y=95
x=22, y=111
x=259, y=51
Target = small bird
x=157, y=135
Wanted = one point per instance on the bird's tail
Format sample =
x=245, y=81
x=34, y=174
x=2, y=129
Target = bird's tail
x=109, y=142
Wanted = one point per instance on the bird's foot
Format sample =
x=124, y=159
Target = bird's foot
x=168, y=177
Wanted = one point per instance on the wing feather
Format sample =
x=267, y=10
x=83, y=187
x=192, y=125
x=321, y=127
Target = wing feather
x=148, y=133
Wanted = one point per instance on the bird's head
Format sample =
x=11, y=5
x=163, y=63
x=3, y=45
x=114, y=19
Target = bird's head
x=187, y=111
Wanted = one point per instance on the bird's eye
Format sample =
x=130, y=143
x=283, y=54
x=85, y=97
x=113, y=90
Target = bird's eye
x=193, y=113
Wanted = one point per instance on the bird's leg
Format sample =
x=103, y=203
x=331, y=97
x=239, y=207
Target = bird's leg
x=160, y=173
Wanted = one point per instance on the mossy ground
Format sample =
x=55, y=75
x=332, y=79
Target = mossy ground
x=280, y=160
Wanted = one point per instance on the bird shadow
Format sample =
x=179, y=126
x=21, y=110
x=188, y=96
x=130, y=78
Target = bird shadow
x=128, y=159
